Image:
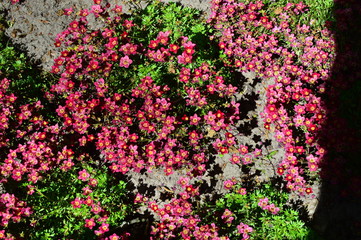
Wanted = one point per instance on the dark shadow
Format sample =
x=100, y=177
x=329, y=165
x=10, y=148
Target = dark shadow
x=338, y=214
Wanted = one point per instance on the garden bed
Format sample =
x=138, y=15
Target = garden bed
x=158, y=124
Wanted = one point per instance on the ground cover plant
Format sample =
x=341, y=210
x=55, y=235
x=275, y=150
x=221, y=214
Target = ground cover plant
x=145, y=92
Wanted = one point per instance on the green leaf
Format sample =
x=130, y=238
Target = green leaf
x=198, y=28
x=17, y=64
x=271, y=154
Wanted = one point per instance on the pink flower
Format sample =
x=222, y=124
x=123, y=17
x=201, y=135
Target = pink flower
x=210, y=118
x=31, y=189
x=125, y=62
x=312, y=167
x=83, y=175
x=273, y=209
x=87, y=191
x=168, y=171
x=244, y=229
x=263, y=203
x=226, y=214
x=93, y=182
x=257, y=152
x=247, y=159
x=128, y=24
x=243, y=149
x=76, y=203
x=118, y=9
x=96, y=209
x=228, y=184
x=235, y=159
x=84, y=12
x=88, y=201
x=96, y=9
x=184, y=195
x=114, y=237
x=242, y=191
x=312, y=159
x=184, y=181
x=2, y=234
x=173, y=48
x=138, y=198
x=189, y=45
x=163, y=37
x=104, y=228
x=68, y=11
x=89, y=223
x=184, y=58
x=194, y=120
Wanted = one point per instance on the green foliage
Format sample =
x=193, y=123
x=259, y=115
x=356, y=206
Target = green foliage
x=284, y=225
x=173, y=17
x=149, y=22
x=319, y=12
x=55, y=218
x=27, y=80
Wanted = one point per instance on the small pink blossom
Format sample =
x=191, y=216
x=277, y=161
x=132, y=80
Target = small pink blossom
x=247, y=159
x=273, y=209
x=235, y=159
x=93, y=182
x=227, y=215
x=184, y=181
x=114, y=237
x=242, y=191
x=228, y=184
x=125, y=62
x=263, y=203
x=89, y=223
x=184, y=58
x=83, y=175
x=244, y=229
x=96, y=9
x=96, y=209
x=67, y=11
x=76, y=203
x=104, y=228
x=194, y=120
x=118, y=9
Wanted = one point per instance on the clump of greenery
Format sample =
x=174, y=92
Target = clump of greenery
x=28, y=80
x=102, y=198
x=282, y=223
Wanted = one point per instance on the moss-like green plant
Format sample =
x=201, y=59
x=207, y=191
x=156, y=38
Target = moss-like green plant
x=272, y=220
x=56, y=215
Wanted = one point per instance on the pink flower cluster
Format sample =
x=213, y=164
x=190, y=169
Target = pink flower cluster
x=100, y=213
x=263, y=203
x=244, y=229
x=177, y=216
x=160, y=50
x=294, y=110
x=139, y=129
x=132, y=131
x=28, y=125
x=227, y=216
x=12, y=210
x=152, y=118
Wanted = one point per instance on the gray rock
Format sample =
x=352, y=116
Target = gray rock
x=2, y=189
